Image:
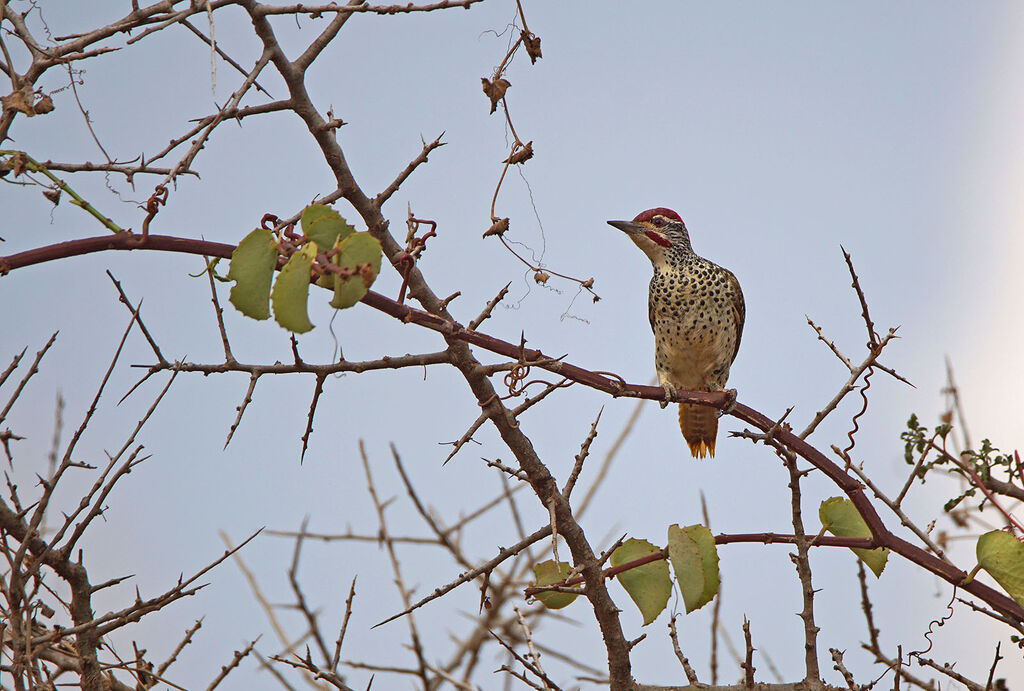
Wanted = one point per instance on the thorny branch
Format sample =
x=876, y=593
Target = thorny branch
x=25, y=525
x=455, y=334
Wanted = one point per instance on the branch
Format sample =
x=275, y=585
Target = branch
x=454, y=332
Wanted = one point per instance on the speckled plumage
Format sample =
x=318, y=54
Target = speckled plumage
x=696, y=311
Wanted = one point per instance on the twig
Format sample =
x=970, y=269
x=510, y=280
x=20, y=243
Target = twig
x=300, y=598
x=415, y=163
x=872, y=336
x=246, y=400
x=32, y=371
x=36, y=167
x=317, y=390
x=138, y=316
x=716, y=607
x=850, y=384
x=181, y=646
x=613, y=451
x=691, y=676
x=487, y=566
x=748, y=661
x=417, y=646
x=221, y=53
x=803, y=569
x=577, y=467
x=344, y=626
x=904, y=519
x=488, y=308
x=250, y=578
x=236, y=659
x=948, y=670
x=465, y=438
x=837, y=659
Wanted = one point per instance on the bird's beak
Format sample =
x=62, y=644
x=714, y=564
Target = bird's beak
x=626, y=226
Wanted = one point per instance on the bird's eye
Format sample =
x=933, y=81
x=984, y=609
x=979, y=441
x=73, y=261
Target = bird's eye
x=658, y=221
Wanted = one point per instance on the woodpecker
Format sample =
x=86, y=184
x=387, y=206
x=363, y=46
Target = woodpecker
x=696, y=311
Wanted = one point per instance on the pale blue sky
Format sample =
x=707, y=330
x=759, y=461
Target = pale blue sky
x=777, y=130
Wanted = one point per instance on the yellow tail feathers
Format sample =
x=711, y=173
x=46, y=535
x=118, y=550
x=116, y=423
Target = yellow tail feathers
x=700, y=428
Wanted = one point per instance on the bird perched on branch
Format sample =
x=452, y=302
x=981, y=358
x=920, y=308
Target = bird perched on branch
x=696, y=311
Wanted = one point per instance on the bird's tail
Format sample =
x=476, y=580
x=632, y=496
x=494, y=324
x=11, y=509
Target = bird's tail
x=700, y=428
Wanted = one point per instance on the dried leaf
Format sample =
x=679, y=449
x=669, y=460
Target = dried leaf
x=43, y=105
x=531, y=42
x=495, y=90
x=521, y=155
x=497, y=228
x=541, y=277
x=17, y=163
x=20, y=101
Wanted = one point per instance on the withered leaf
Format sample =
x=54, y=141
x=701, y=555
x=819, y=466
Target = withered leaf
x=531, y=42
x=497, y=228
x=16, y=163
x=495, y=90
x=53, y=195
x=43, y=105
x=522, y=154
x=19, y=101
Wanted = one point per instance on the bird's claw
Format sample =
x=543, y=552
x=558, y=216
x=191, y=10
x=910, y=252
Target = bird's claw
x=670, y=393
x=730, y=395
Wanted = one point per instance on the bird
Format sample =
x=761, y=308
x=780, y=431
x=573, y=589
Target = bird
x=696, y=311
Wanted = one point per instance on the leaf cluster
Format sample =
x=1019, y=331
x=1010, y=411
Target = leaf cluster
x=985, y=463
x=329, y=252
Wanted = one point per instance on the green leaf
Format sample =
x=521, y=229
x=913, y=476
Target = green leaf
x=649, y=585
x=694, y=559
x=549, y=572
x=323, y=225
x=291, y=290
x=1002, y=555
x=359, y=252
x=840, y=517
x=252, y=268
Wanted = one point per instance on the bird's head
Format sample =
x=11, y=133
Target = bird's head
x=658, y=232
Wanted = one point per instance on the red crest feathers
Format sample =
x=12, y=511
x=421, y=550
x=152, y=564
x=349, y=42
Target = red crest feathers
x=659, y=211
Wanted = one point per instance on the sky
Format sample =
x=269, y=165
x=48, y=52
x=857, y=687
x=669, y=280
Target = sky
x=780, y=132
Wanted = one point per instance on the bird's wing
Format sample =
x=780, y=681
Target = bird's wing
x=739, y=310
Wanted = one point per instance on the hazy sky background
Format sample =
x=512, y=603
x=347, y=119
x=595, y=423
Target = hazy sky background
x=779, y=131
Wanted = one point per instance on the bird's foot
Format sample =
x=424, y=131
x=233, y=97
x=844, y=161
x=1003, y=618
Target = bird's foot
x=670, y=393
x=730, y=395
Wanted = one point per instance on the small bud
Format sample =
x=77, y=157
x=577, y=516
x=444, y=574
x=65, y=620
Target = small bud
x=497, y=228
x=588, y=284
x=495, y=90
